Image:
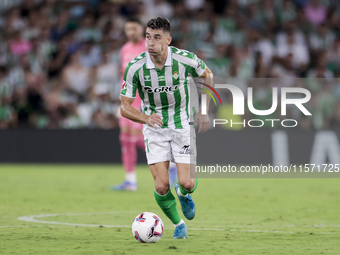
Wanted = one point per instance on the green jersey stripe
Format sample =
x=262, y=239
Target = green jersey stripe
x=164, y=97
x=186, y=97
x=135, y=78
x=166, y=92
x=147, y=83
x=177, y=95
x=186, y=83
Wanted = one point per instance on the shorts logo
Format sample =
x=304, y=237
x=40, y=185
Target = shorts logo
x=147, y=78
x=175, y=75
x=185, y=150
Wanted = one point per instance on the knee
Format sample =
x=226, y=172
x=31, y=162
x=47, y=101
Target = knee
x=162, y=188
x=188, y=184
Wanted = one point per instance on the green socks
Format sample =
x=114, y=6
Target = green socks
x=168, y=205
x=185, y=192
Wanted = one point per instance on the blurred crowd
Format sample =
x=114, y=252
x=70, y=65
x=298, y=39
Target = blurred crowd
x=59, y=60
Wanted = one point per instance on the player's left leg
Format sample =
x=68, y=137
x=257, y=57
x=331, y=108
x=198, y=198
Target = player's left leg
x=184, y=153
x=184, y=188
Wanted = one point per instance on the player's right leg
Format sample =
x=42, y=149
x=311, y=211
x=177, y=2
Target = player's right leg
x=158, y=154
x=165, y=199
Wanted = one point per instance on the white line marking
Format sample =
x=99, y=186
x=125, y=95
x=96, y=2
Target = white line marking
x=32, y=218
x=270, y=231
x=13, y=226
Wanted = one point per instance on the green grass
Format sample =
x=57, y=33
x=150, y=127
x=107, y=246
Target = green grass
x=255, y=216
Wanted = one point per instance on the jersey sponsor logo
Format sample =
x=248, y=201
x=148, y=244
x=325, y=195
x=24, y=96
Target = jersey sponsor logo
x=161, y=78
x=124, y=85
x=160, y=89
x=175, y=75
x=185, y=149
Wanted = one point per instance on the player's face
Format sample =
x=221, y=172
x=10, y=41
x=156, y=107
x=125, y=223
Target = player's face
x=133, y=31
x=156, y=40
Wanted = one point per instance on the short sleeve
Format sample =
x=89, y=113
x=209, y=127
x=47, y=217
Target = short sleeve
x=198, y=67
x=130, y=83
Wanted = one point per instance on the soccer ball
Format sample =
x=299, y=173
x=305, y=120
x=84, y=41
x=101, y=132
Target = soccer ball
x=147, y=227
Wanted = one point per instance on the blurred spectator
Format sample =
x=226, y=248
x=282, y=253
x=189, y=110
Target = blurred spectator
x=60, y=28
x=18, y=45
x=76, y=77
x=287, y=12
x=316, y=12
x=263, y=45
x=320, y=70
x=159, y=8
x=59, y=59
x=89, y=31
x=335, y=120
x=14, y=21
x=298, y=50
x=90, y=54
x=322, y=39
x=107, y=76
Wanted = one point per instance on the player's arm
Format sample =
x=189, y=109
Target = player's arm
x=128, y=93
x=203, y=120
x=130, y=112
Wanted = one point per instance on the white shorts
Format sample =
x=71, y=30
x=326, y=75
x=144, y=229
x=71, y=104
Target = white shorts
x=170, y=144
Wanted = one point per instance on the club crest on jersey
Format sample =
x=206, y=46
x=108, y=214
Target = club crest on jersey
x=175, y=75
x=147, y=77
x=161, y=89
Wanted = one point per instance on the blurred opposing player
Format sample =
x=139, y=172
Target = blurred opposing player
x=161, y=75
x=131, y=135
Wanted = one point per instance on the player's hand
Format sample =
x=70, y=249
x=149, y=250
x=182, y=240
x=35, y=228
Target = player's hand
x=155, y=121
x=203, y=122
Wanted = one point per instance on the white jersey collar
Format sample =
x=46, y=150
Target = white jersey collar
x=151, y=65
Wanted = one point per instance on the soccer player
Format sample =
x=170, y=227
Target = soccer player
x=161, y=75
x=131, y=135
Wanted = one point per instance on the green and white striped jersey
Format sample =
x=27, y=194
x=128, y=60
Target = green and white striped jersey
x=165, y=92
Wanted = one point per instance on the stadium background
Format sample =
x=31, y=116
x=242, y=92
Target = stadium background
x=68, y=209
x=59, y=70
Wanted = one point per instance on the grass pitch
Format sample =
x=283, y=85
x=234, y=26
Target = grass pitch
x=234, y=216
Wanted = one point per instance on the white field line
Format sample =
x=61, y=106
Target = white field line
x=33, y=218
x=13, y=226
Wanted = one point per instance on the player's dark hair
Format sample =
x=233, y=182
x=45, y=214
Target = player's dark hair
x=160, y=23
x=135, y=20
